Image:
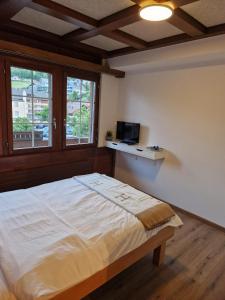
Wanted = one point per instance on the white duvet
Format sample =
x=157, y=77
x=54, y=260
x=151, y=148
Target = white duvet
x=5, y=294
x=56, y=235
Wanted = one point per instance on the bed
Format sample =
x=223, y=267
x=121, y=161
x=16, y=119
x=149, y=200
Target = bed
x=5, y=293
x=64, y=239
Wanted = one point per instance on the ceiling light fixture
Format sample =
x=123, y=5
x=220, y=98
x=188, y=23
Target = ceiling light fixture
x=153, y=11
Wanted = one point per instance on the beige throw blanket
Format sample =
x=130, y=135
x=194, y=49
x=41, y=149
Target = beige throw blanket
x=150, y=211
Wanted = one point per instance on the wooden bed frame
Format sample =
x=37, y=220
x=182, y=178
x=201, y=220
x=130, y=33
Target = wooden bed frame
x=156, y=243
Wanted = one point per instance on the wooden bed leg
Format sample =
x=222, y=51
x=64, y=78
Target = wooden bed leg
x=159, y=254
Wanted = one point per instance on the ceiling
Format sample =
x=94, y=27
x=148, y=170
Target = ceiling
x=107, y=28
x=97, y=9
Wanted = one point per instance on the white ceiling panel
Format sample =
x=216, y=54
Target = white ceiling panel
x=104, y=43
x=96, y=9
x=150, y=31
x=40, y=20
x=208, y=12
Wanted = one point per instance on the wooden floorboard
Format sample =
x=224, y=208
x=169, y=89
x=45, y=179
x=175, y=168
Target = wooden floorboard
x=194, y=269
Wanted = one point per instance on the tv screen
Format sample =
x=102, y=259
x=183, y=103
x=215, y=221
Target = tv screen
x=128, y=132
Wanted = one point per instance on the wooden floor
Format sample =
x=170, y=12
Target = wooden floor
x=194, y=269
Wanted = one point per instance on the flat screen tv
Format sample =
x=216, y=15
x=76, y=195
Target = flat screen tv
x=128, y=132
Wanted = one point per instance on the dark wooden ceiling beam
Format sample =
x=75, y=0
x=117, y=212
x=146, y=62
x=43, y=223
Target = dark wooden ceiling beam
x=127, y=38
x=23, y=31
x=50, y=37
x=216, y=30
x=120, y=19
x=181, y=19
x=74, y=34
x=91, y=27
x=176, y=3
x=179, y=3
x=64, y=13
x=43, y=45
x=55, y=58
x=118, y=35
x=186, y=23
x=169, y=41
x=9, y=8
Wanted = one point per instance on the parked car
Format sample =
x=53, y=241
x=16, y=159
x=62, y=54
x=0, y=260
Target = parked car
x=69, y=132
x=40, y=127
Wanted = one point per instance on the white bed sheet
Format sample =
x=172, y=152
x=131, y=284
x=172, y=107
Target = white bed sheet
x=56, y=235
x=5, y=294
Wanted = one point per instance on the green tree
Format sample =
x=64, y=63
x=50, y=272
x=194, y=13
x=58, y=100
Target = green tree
x=84, y=115
x=86, y=91
x=74, y=96
x=22, y=124
x=27, y=74
x=43, y=115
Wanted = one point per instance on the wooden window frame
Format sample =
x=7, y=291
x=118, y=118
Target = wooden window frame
x=35, y=66
x=59, y=99
x=3, y=111
x=85, y=76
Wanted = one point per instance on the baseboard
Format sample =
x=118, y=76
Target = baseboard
x=210, y=223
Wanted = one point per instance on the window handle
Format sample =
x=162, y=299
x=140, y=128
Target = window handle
x=54, y=123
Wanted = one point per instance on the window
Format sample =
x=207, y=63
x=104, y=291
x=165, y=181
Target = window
x=46, y=107
x=31, y=95
x=80, y=101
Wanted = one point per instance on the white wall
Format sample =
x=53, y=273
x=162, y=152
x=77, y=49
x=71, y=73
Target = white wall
x=108, y=106
x=181, y=108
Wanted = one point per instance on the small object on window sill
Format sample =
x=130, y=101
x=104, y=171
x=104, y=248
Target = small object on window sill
x=109, y=135
x=155, y=148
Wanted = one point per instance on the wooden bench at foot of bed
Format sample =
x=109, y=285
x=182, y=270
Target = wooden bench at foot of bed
x=156, y=243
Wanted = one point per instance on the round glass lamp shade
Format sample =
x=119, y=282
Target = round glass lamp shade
x=156, y=12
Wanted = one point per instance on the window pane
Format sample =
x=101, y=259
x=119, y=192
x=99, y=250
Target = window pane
x=87, y=90
x=20, y=81
x=73, y=89
x=31, y=108
x=80, y=106
x=42, y=85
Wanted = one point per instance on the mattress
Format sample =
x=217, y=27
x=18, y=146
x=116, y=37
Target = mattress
x=56, y=235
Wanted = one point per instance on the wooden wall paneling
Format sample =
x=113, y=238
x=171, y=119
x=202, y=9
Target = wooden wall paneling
x=24, y=171
x=105, y=161
x=20, y=162
x=36, y=176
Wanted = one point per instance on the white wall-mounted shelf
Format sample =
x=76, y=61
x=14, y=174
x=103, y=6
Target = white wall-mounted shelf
x=137, y=150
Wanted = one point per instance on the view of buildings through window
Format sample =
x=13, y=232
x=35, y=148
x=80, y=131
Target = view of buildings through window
x=32, y=109
x=79, y=115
